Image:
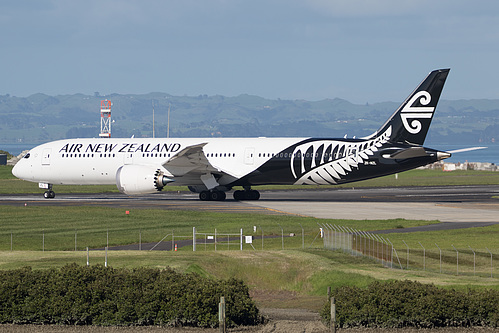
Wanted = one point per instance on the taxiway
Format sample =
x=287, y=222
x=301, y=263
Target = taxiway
x=472, y=205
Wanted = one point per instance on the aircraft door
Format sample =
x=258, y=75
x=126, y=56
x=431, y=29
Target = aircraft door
x=248, y=156
x=46, y=156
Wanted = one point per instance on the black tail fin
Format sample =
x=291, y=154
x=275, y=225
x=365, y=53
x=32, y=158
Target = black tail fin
x=411, y=121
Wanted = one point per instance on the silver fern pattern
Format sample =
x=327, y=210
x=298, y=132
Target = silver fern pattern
x=324, y=162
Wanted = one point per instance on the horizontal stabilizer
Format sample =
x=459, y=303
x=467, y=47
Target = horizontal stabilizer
x=407, y=153
x=466, y=149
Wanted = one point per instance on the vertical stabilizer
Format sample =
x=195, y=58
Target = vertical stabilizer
x=410, y=123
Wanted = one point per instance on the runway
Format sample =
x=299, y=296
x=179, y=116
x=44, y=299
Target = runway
x=470, y=205
x=446, y=204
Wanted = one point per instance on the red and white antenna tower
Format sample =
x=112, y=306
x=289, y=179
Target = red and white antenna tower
x=105, y=119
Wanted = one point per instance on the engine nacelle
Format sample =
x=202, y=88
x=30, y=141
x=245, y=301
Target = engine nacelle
x=140, y=179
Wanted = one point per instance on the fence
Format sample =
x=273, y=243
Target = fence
x=264, y=238
x=419, y=256
x=427, y=257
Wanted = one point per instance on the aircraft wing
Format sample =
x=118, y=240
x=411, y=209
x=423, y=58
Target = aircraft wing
x=191, y=164
x=191, y=159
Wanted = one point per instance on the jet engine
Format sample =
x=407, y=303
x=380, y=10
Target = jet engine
x=141, y=179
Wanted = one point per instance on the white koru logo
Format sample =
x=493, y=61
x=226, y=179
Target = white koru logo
x=410, y=112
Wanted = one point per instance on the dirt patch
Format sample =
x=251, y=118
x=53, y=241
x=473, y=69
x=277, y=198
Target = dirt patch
x=279, y=326
x=285, y=299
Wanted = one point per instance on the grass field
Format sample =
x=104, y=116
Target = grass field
x=289, y=278
x=292, y=277
x=94, y=226
x=461, y=252
x=293, y=273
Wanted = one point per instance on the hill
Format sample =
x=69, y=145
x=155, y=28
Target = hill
x=40, y=118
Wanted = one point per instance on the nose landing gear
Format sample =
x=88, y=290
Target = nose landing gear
x=49, y=194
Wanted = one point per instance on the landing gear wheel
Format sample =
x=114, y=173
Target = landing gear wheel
x=238, y=195
x=49, y=194
x=217, y=196
x=204, y=195
x=253, y=195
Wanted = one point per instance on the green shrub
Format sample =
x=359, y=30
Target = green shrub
x=80, y=295
x=406, y=303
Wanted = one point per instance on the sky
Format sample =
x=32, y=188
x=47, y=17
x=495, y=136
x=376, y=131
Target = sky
x=364, y=51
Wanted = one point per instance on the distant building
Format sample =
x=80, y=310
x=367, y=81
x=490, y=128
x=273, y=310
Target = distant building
x=440, y=165
x=449, y=167
x=3, y=159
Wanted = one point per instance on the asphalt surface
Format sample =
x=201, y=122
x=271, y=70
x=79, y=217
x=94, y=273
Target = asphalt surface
x=456, y=206
x=463, y=204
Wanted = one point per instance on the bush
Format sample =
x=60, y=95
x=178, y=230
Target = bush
x=80, y=295
x=406, y=303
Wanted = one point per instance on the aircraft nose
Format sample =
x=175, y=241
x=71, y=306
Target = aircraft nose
x=20, y=170
x=16, y=170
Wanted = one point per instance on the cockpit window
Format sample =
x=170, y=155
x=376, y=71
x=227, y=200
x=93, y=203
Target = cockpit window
x=26, y=156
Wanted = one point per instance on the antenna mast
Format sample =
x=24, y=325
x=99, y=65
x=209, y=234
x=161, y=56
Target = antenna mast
x=168, y=127
x=153, y=118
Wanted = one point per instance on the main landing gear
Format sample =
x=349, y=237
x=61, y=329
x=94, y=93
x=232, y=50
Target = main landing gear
x=247, y=194
x=49, y=194
x=212, y=196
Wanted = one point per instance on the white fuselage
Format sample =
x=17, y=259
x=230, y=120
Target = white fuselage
x=96, y=161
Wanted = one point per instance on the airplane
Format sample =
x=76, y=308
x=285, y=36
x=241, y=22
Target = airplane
x=213, y=166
